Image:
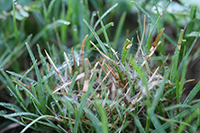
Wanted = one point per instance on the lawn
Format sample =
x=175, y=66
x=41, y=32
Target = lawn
x=99, y=66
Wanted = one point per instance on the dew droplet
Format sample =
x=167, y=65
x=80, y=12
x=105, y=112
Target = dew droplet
x=1, y=68
x=94, y=13
x=15, y=2
x=11, y=94
x=33, y=83
x=74, y=28
x=66, y=23
x=122, y=103
x=53, y=103
x=3, y=111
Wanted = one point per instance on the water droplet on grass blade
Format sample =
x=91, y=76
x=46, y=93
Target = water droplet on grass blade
x=62, y=22
x=34, y=83
x=74, y=27
x=3, y=111
x=94, y=13
x=15, y=2
x=53, y=103
x=67, y=23
x=1, y=67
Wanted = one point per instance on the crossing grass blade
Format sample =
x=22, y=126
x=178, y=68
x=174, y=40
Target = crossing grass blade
x=39, y=87
x=142, y=10
x=158, y=95
x=48, y=27
x=37, y=119
x=126, y=49
x=106, y=13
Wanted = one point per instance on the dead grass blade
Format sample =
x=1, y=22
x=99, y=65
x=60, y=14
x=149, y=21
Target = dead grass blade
x=54, y=66
x=82, y=53
x=105, y=56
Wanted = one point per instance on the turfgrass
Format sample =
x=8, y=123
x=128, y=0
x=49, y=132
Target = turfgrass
x=74, y=74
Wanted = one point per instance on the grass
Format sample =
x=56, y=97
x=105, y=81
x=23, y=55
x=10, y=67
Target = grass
x=78, y=72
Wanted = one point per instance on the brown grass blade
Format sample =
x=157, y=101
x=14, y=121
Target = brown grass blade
x=82, y=53
x=74, y=60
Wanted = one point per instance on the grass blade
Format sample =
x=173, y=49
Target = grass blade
x=39, y=87
x=126, y=49
x=109, y=10
x=142, y=10
x=97, y=38
x=119, y=30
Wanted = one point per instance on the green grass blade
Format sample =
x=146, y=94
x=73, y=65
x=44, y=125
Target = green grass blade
x=97, y=38
x=192, y=94
x=44, y=63
x=34, y=121
x=98, y=33
x=139, y=125
x=10, y=106
x=29, y=70
x=31, y=95
x=142, y=10
x=104, y=31
x=83, y=14
x=103, y=118
x=143, y=78
x=18, y=100
x=14, y=20
x=80, y=110
x=126, y=49
x=20, y=114
x=39, y=87
x=180, y=68
x=188, y=121
x=64, y=28
x=5, y=53
x=153, y=28
x=49, y=10
x=193, y=34
x=179, y=116
x=109, y=10
x=13, y=119
x=49, y=27
x=9, y=81
x=119, y=30
x=73, y=83
x=22, y=76
x=19, y=94
x=89, y=114
x=175, y=61
x=154, y=104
